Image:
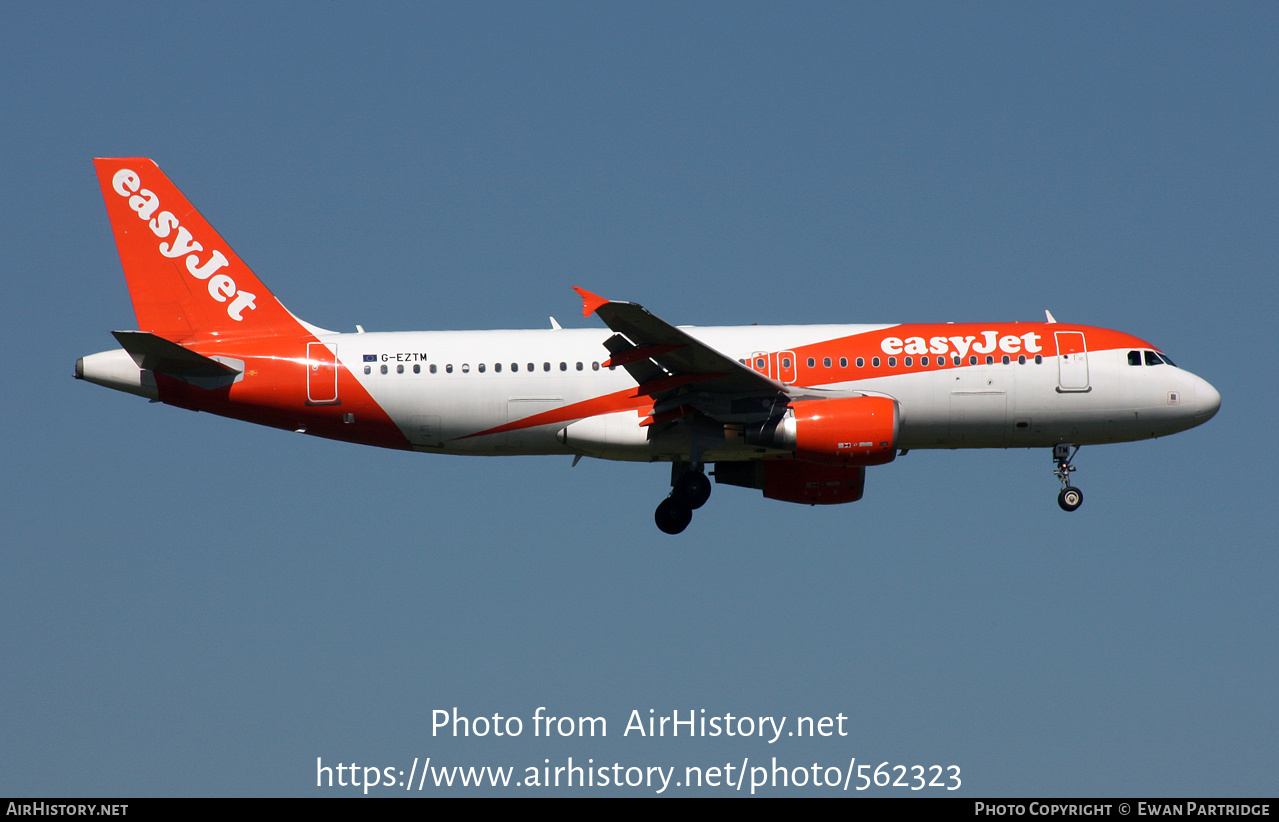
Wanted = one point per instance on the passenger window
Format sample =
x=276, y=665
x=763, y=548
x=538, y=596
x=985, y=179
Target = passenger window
x=595, y=366
x=1021, y=360
x=579, y=366
x=990, y=360
x=448, y=369
x=843, y=362
x=923, y=361
x=812, y=363
x=910, y=361
x=417, y=369
x=785, y=362
x=759, y=363
x=384, y=369
x=958, y=359
x=825, y=362
x=972, y=359
x=432, y=368
x=368, y=369
x=481, y=368
x=399, y=369
x=1039, y=359
x=546, y=366
x=1006, y=360
x=497, y=368
x=563, y=366
x=1153, y=359
x=466, y=368
x=892, y=362
x=861, y=362
x=1134, y=358
x=875, y=362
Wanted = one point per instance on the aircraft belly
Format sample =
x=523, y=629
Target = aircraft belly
x=954, y=408
x=1019, y=405
x=536, y=439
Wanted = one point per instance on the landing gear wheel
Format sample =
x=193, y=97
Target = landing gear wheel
x=672, y=517
x=1070, y=497
x=692, y=490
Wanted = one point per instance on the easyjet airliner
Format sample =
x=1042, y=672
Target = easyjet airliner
x=797, y=411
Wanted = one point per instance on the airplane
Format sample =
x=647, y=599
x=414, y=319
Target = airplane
x=797, y=411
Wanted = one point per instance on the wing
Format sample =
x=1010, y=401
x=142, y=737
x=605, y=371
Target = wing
x=683, y=373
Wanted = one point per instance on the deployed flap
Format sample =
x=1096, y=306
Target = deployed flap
x=158, y=354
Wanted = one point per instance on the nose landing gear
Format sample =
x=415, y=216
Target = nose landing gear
x=1070, y=497
x=690, y=488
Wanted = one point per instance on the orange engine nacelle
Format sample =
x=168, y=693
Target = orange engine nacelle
x=845, y=431
x=804, y=482
x=794, y=481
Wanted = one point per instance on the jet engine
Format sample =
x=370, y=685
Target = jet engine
x=846, y=431
x=795, y=481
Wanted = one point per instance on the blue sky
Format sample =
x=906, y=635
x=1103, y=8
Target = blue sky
x=193, y=606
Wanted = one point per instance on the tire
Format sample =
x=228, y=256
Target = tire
x=1070, y=498
x=671, y=517
x=692, y=490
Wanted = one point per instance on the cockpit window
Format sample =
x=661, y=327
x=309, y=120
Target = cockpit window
x=1134, y=358
x=1152, y=358
x=1164, y=357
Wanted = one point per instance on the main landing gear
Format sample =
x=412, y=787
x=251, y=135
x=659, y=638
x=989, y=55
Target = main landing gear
x=1070, y=497
x=690, y=488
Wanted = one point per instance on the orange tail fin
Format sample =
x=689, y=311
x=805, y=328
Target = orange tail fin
x=186, y=283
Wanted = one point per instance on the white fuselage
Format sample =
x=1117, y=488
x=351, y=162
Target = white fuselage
x=472, y=381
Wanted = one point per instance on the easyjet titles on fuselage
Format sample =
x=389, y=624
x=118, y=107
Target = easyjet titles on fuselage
x=1009, y=344
x=127, y=183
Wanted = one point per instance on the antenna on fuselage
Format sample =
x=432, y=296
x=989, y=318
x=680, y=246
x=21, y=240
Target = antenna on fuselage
x=1049, y=315
x=555, y=325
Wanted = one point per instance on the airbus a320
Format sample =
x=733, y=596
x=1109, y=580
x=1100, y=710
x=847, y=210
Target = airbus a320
x=796, y=411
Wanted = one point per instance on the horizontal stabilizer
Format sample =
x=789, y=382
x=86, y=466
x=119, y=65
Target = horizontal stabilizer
x=155, y=353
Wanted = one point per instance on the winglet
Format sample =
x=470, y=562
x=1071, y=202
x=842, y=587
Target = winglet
x=590, y=302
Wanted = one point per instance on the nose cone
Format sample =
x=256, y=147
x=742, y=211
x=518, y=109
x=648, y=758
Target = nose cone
x=1207, y=401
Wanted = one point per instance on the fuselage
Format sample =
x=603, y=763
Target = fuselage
x=1021, y=395
x=507, y=392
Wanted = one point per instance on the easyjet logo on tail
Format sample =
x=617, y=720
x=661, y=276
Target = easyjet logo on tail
x=179, y=243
